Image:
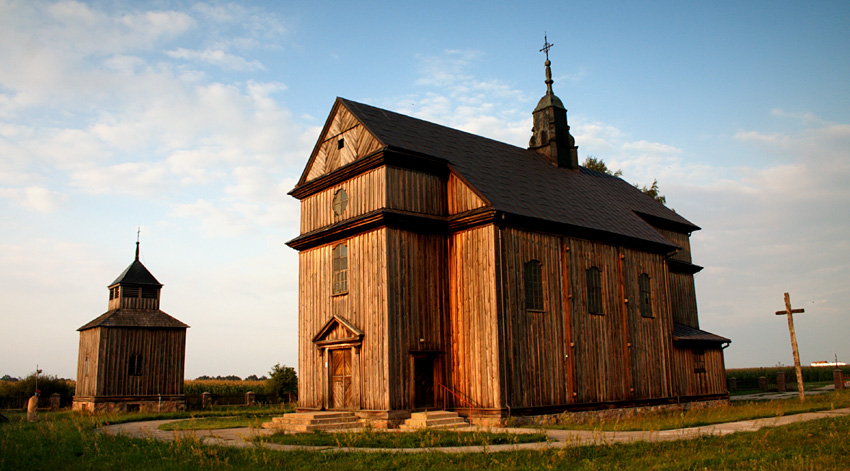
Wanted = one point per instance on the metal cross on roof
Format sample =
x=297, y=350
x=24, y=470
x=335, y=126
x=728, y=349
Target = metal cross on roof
x=546, y=46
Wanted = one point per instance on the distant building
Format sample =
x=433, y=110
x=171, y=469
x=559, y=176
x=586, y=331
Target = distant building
x=438, y=269
x=828, y=363
x=131, y=358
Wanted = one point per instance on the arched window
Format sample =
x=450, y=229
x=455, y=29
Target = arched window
x=340, y=269
x=533, y=283
x=135, y=366
x=645, y=295
x=594, y=290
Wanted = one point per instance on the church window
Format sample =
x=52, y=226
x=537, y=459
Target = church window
x=699, y=361
x=594, y=290
x=340, y=269
x=533, y=283
x=340, y=143
x=135, y=367
x=149, y=293
x=645, y=289
x=130, y=291
x=340, y=201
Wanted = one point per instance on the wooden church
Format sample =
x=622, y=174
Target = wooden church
x=443, y=270
x=131, y=358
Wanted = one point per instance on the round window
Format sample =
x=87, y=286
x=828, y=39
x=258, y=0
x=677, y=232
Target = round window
x=340, y=201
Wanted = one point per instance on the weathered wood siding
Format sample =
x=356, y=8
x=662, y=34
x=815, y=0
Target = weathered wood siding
x=691, y=383
x=417, y=192
x=535, y=344
x=163, y=353
x=680, y=239
x=599, y=353
x=366, y=192
x=358, y=142
x=649, y=338
x=417, y=303
x=87, y=377
x=474, y=358
x=364, y=306
x=461, y=198
x=684, y=299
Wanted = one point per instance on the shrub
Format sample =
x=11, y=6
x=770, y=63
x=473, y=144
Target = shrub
x=283, y=382
x=15, y=394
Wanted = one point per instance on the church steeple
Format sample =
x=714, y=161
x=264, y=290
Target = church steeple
x=550, y=135
x=135, y=287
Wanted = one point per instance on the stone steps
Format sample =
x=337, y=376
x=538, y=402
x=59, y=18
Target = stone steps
x=434, y=419
x=310, y=421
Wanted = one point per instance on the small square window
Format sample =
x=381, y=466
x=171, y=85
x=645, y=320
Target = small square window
x=340, y=143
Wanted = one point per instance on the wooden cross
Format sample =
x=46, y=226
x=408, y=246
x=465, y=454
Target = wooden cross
x=790, y=313
x=546, y=46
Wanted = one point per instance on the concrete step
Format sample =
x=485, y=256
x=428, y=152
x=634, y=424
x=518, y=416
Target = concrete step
x=309, y=421
x=434, y=419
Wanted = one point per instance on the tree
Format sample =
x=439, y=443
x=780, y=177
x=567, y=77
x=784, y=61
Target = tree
x=283, y=382
x=593, y=163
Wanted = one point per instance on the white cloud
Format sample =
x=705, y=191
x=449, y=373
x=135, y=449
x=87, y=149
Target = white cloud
x=217, y=58
x=35, y=198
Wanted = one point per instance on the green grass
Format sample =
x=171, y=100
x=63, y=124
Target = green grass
x=737, y=411
x=211, y=423
x=64, y=441
x=415, y=439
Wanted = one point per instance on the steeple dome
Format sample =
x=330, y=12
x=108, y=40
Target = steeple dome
x=550, y=135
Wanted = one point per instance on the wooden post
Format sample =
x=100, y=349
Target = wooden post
x=790, y=312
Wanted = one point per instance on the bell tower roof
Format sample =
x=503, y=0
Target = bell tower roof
x=136, y=274
x=550, y=135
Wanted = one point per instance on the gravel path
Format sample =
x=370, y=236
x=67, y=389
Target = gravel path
x=241, y=437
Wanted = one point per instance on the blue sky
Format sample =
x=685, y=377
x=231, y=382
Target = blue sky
x=194, y=119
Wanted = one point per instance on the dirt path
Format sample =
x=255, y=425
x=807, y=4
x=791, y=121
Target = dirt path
x=241, y=437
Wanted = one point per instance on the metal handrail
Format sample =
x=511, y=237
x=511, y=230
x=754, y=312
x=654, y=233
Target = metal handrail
x=458, y=396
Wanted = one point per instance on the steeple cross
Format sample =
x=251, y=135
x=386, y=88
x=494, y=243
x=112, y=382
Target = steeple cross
x=546, y=45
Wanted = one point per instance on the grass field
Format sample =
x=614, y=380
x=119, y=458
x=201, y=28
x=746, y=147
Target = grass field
x=743, y=410
x=416, y=439
x=65, y=441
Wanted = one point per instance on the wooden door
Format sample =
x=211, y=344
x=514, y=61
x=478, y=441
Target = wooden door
x=423, y=379
x=340, y=379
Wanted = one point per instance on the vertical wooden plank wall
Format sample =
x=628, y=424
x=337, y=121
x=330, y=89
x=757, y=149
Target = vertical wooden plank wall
x=460, y=197
x=417, y=288
x=680, y=239
x=163, y=357
x=365, y=306
x=650, y=338
x=599, y=353
x=366, y=193
x=416, y=192
x=89, y=345
x=712, y=381
x=535, y=366
x=684, y=299
x=473, y=316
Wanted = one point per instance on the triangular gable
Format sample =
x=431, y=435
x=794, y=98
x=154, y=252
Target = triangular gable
x=462, y=196
x=338, y=330
x=343, y=140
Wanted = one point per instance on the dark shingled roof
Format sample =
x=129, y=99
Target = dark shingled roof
x=135, y=318
x=686, y=333
x=523, y=182
x=136, y=274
